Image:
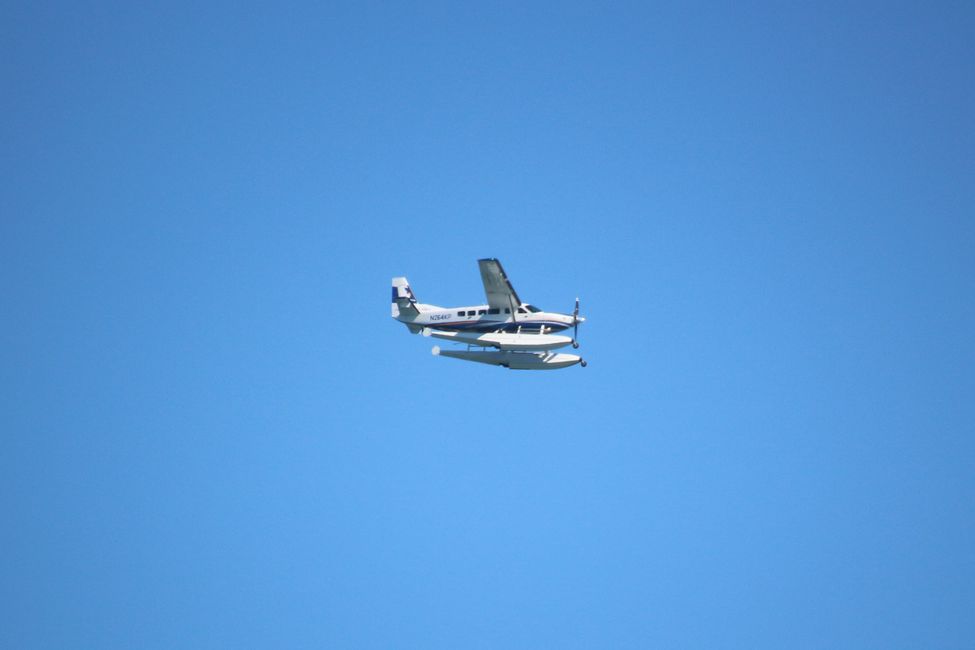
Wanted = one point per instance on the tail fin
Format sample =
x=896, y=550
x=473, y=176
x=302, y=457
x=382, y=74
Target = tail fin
x=404, y=302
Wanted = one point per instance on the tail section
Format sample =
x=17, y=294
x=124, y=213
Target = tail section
x=404, y=302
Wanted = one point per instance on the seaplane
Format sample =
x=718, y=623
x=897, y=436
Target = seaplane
x=505, y=332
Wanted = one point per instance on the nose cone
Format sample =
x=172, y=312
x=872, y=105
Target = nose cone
x=581, y=319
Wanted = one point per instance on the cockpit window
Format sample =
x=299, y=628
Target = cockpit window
x=522, y=310
x=532, y=308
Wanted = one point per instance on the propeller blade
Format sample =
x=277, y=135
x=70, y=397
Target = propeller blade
x=575, y=322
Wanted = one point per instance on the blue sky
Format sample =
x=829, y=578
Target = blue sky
x=215, y=436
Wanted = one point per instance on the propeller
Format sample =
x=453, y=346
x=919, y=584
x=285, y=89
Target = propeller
x=575, y=325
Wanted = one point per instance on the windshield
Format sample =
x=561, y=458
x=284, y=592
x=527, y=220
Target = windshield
x=532, y=308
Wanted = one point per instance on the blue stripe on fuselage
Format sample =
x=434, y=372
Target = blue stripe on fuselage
x=495, y=326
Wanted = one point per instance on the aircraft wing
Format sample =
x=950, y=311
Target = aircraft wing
x=500, y=293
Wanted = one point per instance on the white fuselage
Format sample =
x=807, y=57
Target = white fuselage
x=482, y=318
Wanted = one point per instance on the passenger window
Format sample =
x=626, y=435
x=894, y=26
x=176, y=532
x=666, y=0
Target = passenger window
x=494, y=311
x=482, y=312
x=460, y=313
x=471, y=312
x=507, y=310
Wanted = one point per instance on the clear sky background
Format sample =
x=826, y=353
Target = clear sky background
x=213, y=434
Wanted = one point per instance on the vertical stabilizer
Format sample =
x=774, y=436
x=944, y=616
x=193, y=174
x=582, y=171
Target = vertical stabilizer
x=404, y=302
